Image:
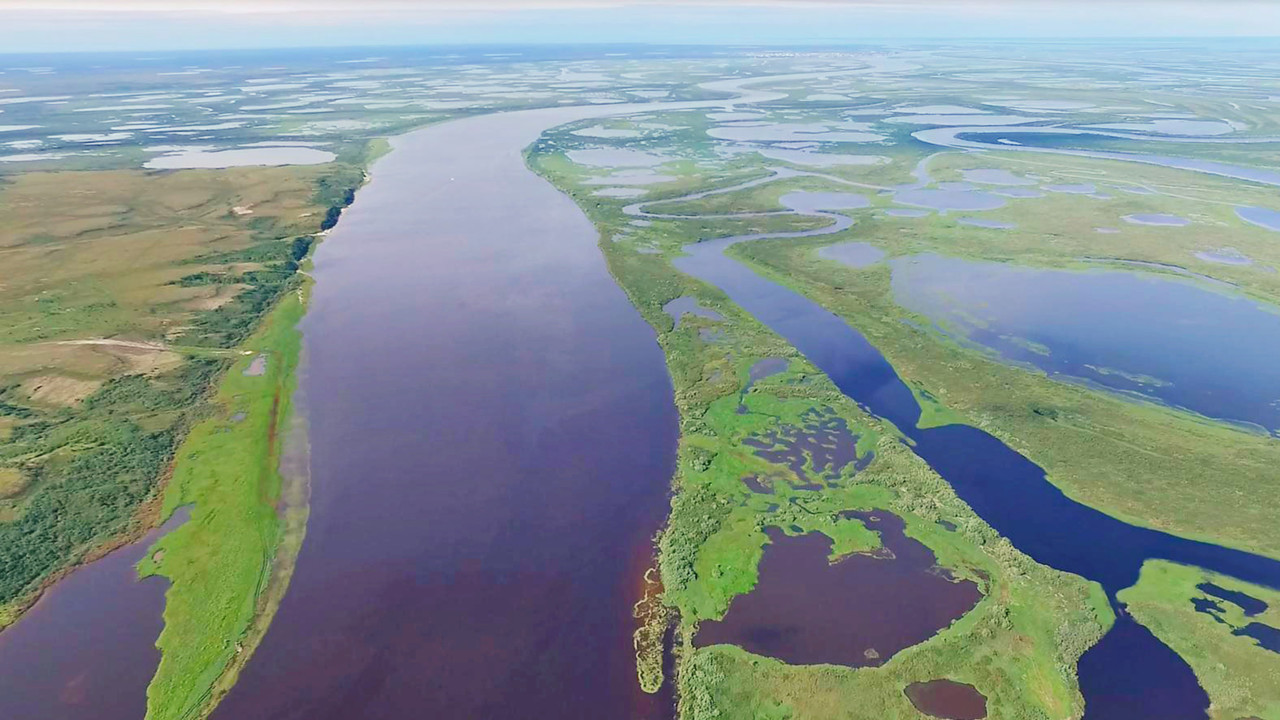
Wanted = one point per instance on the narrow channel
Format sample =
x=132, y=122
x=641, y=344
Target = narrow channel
x=1129, y=673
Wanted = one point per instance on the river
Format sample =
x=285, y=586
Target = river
x=1129, y=673
x=492, y=437
x=492, y=440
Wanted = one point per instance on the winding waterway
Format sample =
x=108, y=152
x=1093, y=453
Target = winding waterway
x=492, y=436
x=1129, y=673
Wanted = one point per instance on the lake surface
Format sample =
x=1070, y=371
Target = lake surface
x=1262, y=217
x=1170, y=340
x=195, y=158
x=947, y=699
x=858, y=611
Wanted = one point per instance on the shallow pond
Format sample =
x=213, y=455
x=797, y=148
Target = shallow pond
x=688, y=305
x=620, y=192
x=944, y=200
x=615, y=157
x=857, y=611
x=1225, y=256
x=947, y=699
x=1262, y=217
x=853, y=254
x=215, y=159
x=1158, y=219
x=1170, y=340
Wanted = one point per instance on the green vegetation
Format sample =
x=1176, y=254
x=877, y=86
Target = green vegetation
x=99, y=374
x=220, y=560
x=1019, y=646
x=1142, y=462
x=1241, y=678
x=95, y=425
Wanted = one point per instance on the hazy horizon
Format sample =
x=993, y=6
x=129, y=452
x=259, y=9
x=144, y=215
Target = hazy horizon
x=101, y=25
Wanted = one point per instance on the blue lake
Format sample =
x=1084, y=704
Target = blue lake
x=1170, y=340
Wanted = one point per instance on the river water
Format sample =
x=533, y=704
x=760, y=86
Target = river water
x=492, y=438
x=1129, y=673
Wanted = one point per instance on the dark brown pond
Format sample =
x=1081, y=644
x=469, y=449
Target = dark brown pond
x=947, y=699
x=858, y=611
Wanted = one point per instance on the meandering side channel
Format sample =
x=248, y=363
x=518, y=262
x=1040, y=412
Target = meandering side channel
x=1130, y=673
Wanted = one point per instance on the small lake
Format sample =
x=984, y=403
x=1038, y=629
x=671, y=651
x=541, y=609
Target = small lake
x=943, y=200
x=1262, y=217
x=1157, y=219
x=947, y=699
x=858, y=611
x=854, y=254
x=216, y=159
x=1170, y=340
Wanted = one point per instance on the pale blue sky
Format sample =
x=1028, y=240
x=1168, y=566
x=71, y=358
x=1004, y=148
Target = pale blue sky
x=54, y=25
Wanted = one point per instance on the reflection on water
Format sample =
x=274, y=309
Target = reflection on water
x=1171, y=340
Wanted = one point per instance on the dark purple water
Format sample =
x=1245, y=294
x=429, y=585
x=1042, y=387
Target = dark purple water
x=858, y=611
x=492, y=437
x=66, y=659
x=947, y=699
x=1008, y=491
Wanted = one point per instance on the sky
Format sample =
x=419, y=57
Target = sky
x=94, y=25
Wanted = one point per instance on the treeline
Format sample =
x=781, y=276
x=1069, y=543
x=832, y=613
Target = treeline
x=87, y=469
x=96, y=464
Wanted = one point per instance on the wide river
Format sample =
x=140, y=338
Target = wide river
x=492, y=439
x=493, y=436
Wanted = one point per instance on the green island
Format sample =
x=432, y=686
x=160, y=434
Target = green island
x=1241, y=677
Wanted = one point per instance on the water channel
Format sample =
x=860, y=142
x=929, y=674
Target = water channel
x=493, y=433
x=1129, y=673
x=493, y=436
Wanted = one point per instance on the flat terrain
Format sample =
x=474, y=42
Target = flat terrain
x=1124, y=452
x=1070, y=253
